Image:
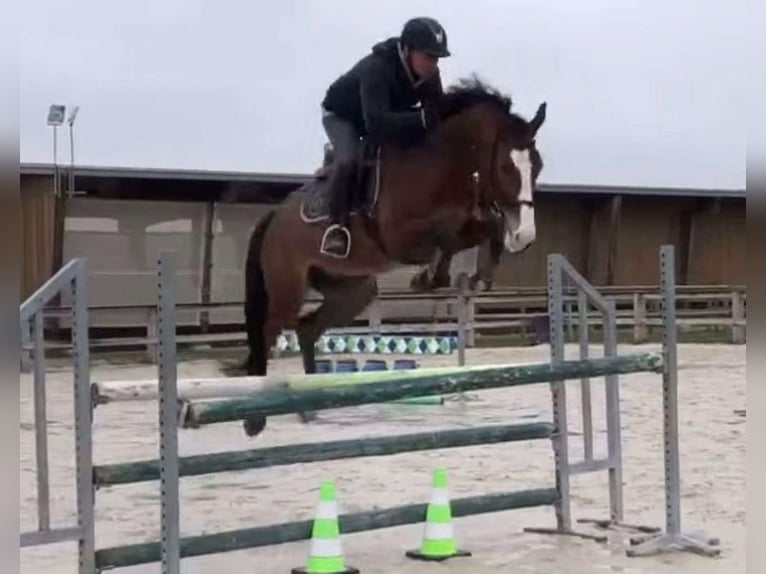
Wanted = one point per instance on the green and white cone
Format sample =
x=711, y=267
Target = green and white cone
x=439, y=536
x=326, y=555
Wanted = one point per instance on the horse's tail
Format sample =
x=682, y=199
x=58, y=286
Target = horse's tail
x=256, y=300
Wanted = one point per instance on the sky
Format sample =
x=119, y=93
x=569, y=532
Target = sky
x=647, y=93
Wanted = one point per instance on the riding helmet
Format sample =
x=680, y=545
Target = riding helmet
x=425, y=35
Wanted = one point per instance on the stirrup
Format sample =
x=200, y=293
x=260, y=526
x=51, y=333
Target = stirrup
x=323, y=248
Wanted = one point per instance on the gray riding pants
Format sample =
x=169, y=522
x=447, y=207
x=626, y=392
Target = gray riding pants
x=345, y=141
x=343, y=136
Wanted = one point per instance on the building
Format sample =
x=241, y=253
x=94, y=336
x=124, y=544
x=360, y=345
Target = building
x=120, y=219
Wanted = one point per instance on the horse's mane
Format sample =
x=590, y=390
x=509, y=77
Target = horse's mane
x=469, y=92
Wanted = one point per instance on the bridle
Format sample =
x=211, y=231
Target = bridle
x=486, y=183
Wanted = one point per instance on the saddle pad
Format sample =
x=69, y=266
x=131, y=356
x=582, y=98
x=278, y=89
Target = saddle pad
x=315, y=206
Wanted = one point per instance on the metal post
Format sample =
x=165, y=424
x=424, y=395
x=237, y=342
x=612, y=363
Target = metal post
x=470, y=318
x=70, y=184
x=56, y=182
x=640, y=328
x=672, y=538
x=168, y=407
x=41, y=425
x=70, y=278
x=670, y=393
x=558, y=268
x=613, y=425
x=587, y=414
x=737, y=317
x=83, y=422
x=558, y=390
x=70, y=121
x=462, y=327
x=208, y=237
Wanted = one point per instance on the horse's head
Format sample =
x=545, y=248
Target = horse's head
x=517, y=164
x=505, y=159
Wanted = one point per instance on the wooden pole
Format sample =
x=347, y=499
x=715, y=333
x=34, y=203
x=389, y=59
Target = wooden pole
x=147, y=470
x=147, y=552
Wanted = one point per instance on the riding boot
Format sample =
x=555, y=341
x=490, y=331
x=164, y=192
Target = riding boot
x=336, y=241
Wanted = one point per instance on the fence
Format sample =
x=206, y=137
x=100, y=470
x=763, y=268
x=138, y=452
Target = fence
x=312, y=392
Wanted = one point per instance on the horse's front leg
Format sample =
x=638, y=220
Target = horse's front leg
x=471, y=233
x=487, y=234
x=490, y=251
x=435, y=275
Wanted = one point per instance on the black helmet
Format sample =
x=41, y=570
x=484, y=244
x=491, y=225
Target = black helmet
x=425, y=35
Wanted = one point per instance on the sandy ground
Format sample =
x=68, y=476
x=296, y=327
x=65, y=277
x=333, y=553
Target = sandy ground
x=712, y=387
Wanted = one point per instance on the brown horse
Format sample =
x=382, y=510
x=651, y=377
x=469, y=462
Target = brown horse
x=432, y=200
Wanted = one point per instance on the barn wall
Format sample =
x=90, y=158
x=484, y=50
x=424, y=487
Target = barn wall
x=615, y=240
x=646, y=223
x=610, y=240
x=232, y=226
x=718, y=246
x=37, y=233
x=122, y=241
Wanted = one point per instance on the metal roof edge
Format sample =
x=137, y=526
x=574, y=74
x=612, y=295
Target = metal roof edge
x=166, y=173
x=641, y=190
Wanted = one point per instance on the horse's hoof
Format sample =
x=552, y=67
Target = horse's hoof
x=254, y=426
x=478, y=283
x=307, y=417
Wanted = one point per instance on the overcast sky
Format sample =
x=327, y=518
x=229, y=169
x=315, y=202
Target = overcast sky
x=639, y=92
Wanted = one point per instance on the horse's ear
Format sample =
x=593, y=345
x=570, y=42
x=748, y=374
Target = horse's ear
x=539, y=118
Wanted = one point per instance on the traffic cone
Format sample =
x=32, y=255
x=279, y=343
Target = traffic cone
x=326, y=555
x=439, y=538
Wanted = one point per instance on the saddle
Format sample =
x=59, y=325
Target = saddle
x=315, y=207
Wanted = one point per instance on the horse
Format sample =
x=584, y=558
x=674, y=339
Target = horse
x=430, y=200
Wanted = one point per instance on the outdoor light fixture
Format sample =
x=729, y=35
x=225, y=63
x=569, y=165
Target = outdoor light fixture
x=56, y=115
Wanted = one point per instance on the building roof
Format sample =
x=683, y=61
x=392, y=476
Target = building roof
x=290, y=179
x=164, y=173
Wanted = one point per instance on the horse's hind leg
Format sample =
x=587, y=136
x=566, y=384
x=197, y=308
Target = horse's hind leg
x=286, y=294
x=344, y=299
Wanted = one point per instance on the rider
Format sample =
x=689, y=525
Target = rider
x=376, y=100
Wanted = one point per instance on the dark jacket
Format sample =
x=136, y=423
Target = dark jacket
x=378, y=96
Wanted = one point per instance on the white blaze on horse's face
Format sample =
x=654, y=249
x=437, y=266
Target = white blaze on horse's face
x=520, y=222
